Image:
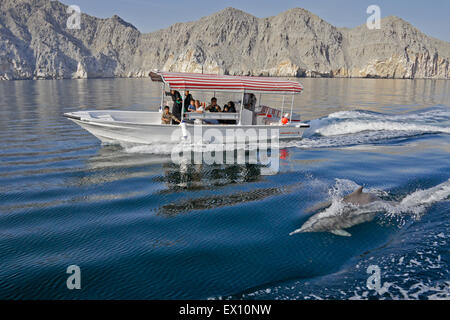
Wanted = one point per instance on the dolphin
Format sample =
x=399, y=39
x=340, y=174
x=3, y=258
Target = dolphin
x=357, y=208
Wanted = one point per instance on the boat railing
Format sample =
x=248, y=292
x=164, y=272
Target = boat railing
x=211, y=115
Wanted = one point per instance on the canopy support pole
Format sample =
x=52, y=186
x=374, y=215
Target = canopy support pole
x=242, y=108
x=163, y=88
x=292, y=107
x=182, y=110
x=282, y=108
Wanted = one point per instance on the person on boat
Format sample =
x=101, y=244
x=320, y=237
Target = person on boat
x=187, y=100
x=224, y=110
x=249, y=101
x=191, y=107
x=167, y=117
x=229, y=107
x=198, y=107
x=213, y=107
x=177, y=102
x=250, y=104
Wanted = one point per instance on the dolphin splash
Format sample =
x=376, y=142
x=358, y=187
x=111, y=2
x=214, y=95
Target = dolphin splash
x=360, y=207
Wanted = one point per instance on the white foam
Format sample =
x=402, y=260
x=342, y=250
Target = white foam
x=349, y=122
x=352, y=126
x=347, y=128
x=417, y=202
x=435, y=114
x=414, y=204
x=336, y=193
x=148, y=149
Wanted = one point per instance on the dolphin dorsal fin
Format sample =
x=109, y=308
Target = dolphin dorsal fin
x=359, y=190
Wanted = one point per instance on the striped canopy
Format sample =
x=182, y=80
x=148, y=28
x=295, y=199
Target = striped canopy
x=210, y=82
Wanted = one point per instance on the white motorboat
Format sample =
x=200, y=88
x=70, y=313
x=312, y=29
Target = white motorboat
x=251, y=122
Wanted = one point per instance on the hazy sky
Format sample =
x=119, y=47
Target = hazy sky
x=431, y=17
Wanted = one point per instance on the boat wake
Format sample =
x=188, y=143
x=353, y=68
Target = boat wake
x=349, y=122
x=348, y=128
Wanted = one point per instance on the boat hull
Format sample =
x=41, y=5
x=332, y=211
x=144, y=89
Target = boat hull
x=148, y=133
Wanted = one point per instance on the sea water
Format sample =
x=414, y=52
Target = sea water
x=140, y=226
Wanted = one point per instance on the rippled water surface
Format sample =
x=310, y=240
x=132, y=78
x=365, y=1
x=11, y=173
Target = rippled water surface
x=141, y=227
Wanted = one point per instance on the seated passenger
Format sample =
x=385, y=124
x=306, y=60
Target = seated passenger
x=229, y=107
x=224, y=110
x=213, y=107
x=198, y=107
x=167, y=117
x=191, y=107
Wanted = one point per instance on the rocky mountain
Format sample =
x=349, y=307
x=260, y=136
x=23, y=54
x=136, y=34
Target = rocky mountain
x=35, y=43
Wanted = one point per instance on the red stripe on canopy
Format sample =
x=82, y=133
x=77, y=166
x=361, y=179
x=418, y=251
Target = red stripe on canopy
x=209, y=82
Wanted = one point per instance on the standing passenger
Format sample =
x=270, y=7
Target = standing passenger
x=177, y=102
x=187, y=99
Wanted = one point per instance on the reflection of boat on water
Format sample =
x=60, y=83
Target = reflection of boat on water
x=110, y=156
x=113, y=163
x=159, y=176
x=203, y=176
x=144, y=127
x=225, y=200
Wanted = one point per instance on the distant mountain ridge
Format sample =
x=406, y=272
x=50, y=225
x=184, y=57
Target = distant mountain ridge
x=36, y=44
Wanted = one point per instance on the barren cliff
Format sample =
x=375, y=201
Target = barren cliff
x=36, y=44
